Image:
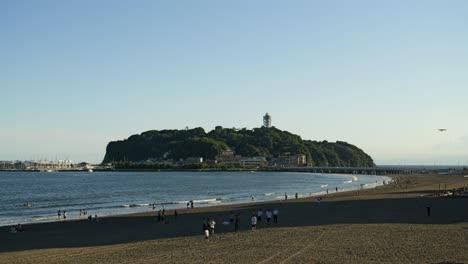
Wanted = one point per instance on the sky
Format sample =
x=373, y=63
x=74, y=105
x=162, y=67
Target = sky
x=382, y=75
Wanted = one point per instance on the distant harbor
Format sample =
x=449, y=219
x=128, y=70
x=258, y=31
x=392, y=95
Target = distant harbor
x=51, y=166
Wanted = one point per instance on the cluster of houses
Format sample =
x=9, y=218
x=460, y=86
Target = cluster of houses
x=45, y=165
x=229, y=158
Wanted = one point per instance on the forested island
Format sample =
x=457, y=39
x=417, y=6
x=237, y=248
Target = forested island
x=230, y=147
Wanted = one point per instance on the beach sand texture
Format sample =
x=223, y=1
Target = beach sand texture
x=383, y=225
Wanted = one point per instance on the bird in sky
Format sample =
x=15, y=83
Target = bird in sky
x=442, y=129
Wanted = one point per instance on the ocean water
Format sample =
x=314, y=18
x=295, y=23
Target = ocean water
x=112, y=193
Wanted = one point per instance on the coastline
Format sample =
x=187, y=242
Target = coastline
x=146, y=206
x=384, y=223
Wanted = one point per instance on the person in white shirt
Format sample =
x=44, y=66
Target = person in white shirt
x=275, y=216
x=254, y=222
x=259, y=215
x=268, y=216
x=212, y=224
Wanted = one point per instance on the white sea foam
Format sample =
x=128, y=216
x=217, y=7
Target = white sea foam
x=205, y=200
x=324, y=185
x=350, y=181
x=268, y=194
x=135, y=205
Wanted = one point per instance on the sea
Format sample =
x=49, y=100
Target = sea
x=117, y=193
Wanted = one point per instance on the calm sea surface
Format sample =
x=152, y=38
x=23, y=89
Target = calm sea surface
x=110, y=193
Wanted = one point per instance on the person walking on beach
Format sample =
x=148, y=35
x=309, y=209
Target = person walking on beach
x=188, y=205
x=336, y=188
x=64, y=214
x=254, y=222
x=212, y=224
x=285, y=196
x=237, y=222
x=296, y=195
x=327, y=191
x=268, y=216
x=191, y=204
x=59, y=214
x=275, y=216
x=259, y=215
x=159, y=215
x=428, y=208
x=175, y=215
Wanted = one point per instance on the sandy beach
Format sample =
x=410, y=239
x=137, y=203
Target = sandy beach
x=388, y=224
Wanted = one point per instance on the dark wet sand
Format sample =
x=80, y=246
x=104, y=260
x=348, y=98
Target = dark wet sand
x=383, y=225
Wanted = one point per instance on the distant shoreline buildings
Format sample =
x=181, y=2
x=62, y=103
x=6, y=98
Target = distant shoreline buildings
x=48, y=166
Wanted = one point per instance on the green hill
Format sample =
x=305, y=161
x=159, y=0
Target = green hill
x=268, y=142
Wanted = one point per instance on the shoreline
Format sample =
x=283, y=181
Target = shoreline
x=384, y=223
x=207, y=202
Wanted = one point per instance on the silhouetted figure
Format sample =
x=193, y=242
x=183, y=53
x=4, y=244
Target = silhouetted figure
x=236, y=222
x=428, y=208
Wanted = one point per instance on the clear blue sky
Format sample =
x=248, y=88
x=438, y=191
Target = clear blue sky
x=383, y=75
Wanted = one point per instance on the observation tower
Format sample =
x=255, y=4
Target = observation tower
x=267, y=120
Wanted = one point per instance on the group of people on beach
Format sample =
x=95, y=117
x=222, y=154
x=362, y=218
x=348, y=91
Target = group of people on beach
x=161, y=214
x=17, y=228
x=208, y=227
x=83, y=212
x=62, y=213
x=190, y=204
x=257, y=217
x=234, y=220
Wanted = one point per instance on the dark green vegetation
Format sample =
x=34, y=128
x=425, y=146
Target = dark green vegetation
x=268, y=142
